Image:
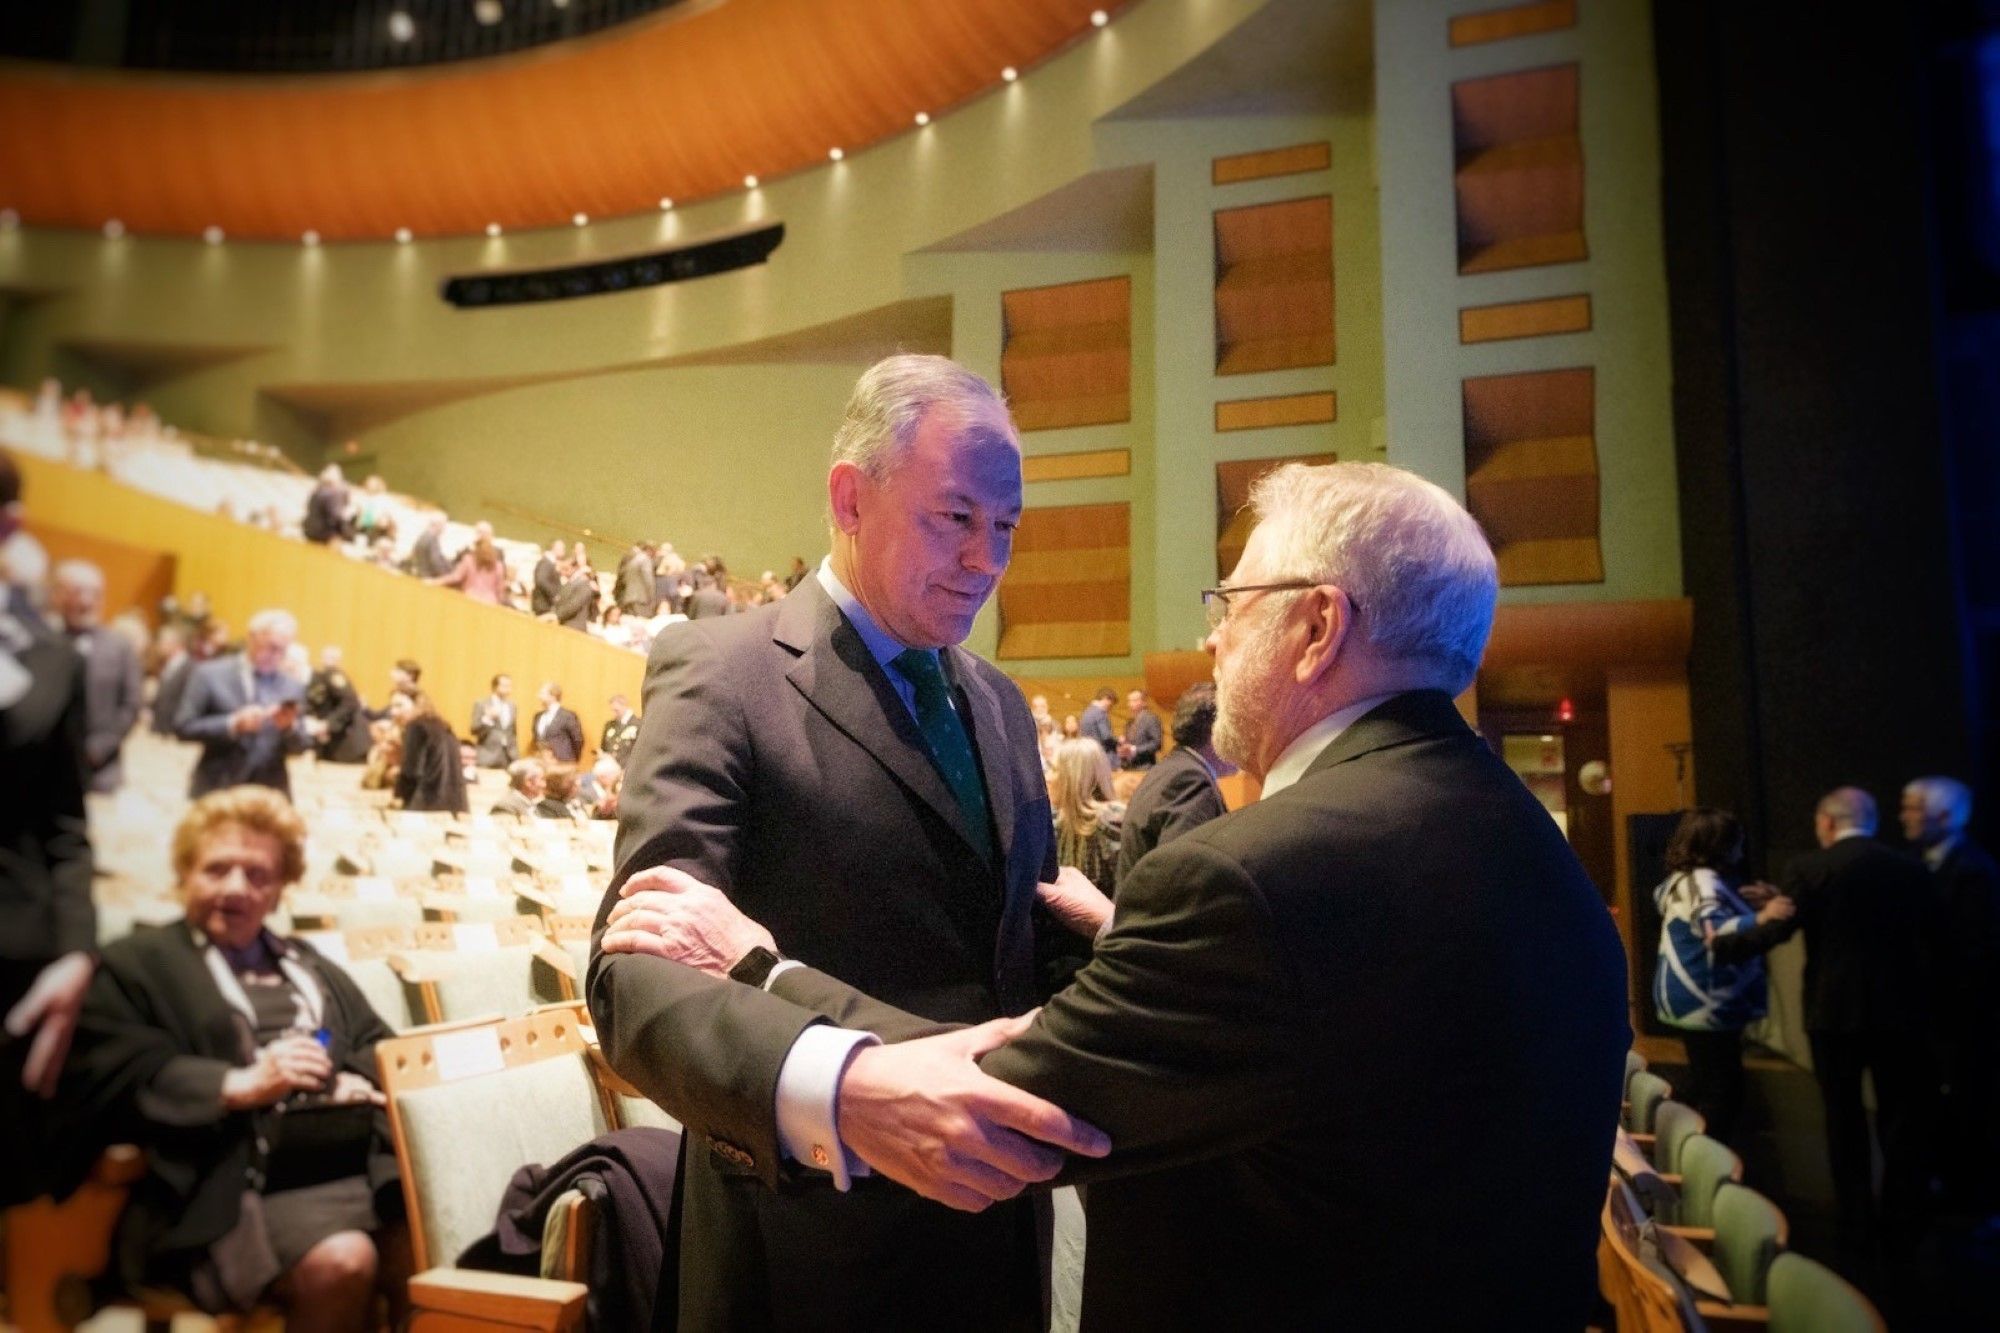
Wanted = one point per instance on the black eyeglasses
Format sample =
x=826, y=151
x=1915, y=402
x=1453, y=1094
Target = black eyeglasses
x=1215, y=601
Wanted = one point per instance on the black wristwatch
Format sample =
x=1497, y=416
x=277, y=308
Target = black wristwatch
x=754, y=968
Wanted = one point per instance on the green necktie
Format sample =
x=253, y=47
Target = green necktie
x=950, y=747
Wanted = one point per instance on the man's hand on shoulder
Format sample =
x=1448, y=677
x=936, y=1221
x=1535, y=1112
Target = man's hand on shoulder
x=670, y=914
x=923, y=1114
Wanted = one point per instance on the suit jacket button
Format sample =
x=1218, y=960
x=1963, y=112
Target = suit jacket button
x=819, y=1155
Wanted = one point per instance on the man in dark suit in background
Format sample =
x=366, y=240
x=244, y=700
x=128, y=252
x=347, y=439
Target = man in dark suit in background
x=1179, y=794
x=326, y=518
x=175, y=662
x=706, y=601
x=493, y=739
x=1141, y=746
x=48, y=926
x=621, y=731
x=576, y=601
x=335, y=704
x=548, y=578
x=246, y=712
x=1096, y=720
x=1866, y=913
x=874, y=793
x=1287, y=1026
x=427, y=557
x=558, y=732
x=114, y=683
x=634, y=592
x=1965, y=882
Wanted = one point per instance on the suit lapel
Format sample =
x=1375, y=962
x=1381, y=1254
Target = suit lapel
x=989, y=740
x=839, y=676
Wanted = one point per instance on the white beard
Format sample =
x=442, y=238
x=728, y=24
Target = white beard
x=1247, y=692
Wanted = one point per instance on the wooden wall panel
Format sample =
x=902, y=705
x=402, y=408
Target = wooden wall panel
x=1274, y=286
x=1074, y=467
x=1066, y=354
x=1291, y=161
x=1524, y=319
x=1295, y=409
x=1497, y=25
x=1531, y=473
x=1068, y=592
x=374, y=615
x=1233, y=520
x=1519, y=175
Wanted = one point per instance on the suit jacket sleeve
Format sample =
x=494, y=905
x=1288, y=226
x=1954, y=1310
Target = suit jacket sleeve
x=1145, y=738
x=707, y=1050
x=1177, y=1039
x=201, y=716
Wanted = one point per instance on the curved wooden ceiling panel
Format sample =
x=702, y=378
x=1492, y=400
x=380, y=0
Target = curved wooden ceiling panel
x=679, y=107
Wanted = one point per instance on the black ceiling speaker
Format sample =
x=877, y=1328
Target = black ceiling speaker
x=701, y=260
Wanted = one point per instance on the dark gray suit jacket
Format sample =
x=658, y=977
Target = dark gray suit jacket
x=493, y=732
x=1358, y=1047
x=44, y=846
x=564, y=738
x=216, y=689
x=1176, y=797
x=114, y=686
x=1143, y=734
x=776, y=762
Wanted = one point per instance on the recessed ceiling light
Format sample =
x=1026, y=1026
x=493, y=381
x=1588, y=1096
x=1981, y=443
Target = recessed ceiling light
x=835, y=154
x=580, y=219
x=488, y=12
x=1010, y=74
x=749, y=182
x=1098, y=18
x=666, y=204
x=402, y=235
x=9, y=219
x=923, y=118
x=113, y=229
x=212, y=234
x=311, y=238
x=493, y=229
x=401, y=27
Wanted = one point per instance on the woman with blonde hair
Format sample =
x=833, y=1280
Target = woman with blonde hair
x=1088, y=820
x=243, y=1062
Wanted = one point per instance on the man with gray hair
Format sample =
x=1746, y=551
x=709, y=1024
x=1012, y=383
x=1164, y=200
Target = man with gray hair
x=840, y=767
x=1322, y=1031
x=1966, y=886
x=1866, y=914
x=247, y=712
x=114, y=682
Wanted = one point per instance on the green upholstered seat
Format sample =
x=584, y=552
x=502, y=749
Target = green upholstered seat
x=1705, y=1164
x=1807, y=1297
x=1749, y=1234
x=1643, y=1095
x=1674, y=1123
x=466, y=1138
x=1634, y=1062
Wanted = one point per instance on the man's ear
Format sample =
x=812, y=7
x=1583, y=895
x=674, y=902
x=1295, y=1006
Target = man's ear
x=845, y=484
x=1328, y=616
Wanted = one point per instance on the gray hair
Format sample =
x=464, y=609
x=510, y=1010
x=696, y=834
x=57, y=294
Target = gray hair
x=274, y=621
x=78, y=574
x=1412, y=560
x=521, y=770
x=1945, y=799
x=1848, y=808
x=890, y=401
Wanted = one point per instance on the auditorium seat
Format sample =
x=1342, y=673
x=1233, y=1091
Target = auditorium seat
x=1808, y=1297
x=1644, y=1293
x=1706, y=1165
x=528, y=1084
x=1644, y=1093
x=505, y=967
x=1749, y=1233
x=1634, y=1062
x=1674, y=1123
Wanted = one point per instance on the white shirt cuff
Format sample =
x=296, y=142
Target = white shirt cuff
x=808, y=1098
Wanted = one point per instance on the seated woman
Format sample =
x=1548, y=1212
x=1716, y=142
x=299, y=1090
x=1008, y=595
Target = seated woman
x=212, y=1043
x=430, y=776
x=1088, y=821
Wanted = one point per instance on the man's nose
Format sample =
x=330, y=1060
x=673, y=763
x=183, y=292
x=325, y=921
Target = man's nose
x=988, y=552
